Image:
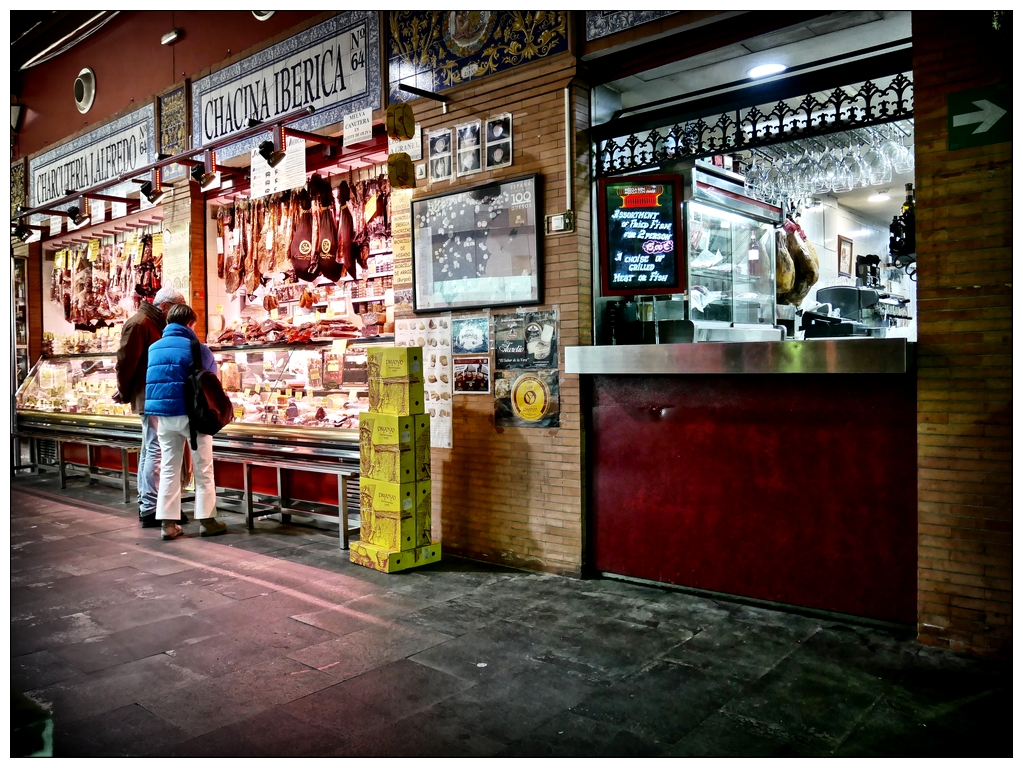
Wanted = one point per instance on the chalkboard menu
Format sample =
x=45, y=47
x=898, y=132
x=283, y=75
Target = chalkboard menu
x=640, y=235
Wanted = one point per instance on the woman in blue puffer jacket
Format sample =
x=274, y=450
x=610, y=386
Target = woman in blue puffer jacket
x=170, y=362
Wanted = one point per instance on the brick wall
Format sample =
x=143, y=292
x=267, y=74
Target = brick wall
x=964, y=215
x=515, y=496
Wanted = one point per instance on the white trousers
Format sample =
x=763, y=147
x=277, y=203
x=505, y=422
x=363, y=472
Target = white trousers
x=172, y=433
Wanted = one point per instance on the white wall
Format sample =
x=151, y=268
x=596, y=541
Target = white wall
x=824, y=225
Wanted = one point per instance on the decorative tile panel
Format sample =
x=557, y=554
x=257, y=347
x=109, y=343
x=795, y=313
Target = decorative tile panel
x=603, y=23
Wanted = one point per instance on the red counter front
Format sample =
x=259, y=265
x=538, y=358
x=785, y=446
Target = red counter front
x=797, y=489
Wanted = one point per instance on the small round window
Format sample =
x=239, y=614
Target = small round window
x=85, y=90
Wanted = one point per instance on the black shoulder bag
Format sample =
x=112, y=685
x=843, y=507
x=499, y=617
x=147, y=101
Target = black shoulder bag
x=209, y=408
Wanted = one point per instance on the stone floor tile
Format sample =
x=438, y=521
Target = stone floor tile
x=571, y=735
x=40, y=669
x=131, y=731
x=423, y=734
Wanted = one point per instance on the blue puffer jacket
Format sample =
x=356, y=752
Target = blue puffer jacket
x=170, y=361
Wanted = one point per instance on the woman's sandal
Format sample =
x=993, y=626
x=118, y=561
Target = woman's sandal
x=171, y=531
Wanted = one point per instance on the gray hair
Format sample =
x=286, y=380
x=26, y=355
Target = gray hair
x=168, y=295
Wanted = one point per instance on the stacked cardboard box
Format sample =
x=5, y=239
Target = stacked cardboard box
x=394, y=454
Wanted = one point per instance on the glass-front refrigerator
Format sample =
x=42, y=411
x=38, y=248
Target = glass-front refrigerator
x=19, y=320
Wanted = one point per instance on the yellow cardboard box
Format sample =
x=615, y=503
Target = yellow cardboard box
x=398, y=396
x=424, y=510
x=395, y=363
x=388, y=513
x=421, y=437
x=388, y=561
x=387, y=447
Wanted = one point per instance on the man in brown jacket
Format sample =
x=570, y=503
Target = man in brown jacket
x=138, y=333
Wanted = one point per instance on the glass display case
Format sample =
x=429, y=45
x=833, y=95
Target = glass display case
x=731, y=266
x=19, y=346
x=285, y=395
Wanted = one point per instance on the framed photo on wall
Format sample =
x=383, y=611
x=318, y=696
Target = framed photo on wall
x=499, y=141
x=440, y=155
x=478, y=247
x=845, y=256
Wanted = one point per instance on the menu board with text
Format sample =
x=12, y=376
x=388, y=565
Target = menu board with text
x=640, y=235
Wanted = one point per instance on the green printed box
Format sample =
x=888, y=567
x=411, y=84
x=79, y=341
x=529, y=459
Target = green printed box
x=387, y=447
x=421, y=439
x=388, y=561
x=424, y=510
x=395, y=363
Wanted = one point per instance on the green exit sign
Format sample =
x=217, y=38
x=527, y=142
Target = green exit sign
x=979, y=116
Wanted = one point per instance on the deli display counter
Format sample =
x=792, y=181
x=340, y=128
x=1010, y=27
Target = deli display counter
x=292, y=449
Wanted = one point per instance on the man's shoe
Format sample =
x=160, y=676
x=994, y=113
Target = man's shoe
x=149, y=521
x=212, y=527
x=183, y=520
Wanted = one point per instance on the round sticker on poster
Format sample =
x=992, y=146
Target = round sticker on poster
x=530, y=397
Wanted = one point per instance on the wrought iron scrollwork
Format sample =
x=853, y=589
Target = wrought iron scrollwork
x=846, y=107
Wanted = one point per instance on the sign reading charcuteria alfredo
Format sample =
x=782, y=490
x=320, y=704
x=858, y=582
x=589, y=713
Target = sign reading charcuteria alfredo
x=333, y=66
x=101, y=155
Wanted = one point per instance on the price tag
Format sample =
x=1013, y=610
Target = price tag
x=220, y=245
x=287, y=392
x=269, y=239
x=338, y=346
x=220, y=309
x=248, y=391
x=93, y=250
x=273, y=314
x=353, y=394
x=330, y=312
x=258, y=388
x=298, y=394
x=239, y=412
x=319, y=315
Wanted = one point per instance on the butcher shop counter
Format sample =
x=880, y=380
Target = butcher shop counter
x=293, y=449
x=707, y=469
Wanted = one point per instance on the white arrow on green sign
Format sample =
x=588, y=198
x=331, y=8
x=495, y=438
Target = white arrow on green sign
x=979, y=116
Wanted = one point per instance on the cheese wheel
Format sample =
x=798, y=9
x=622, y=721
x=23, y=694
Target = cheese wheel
x=401, y=122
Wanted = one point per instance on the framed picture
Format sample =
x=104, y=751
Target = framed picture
x=470, y=148
x=845, y=256
x=440, y=155
x=499, y=141
x=641, y=246
x=478, y=247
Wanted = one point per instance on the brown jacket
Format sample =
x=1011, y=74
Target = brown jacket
x=139, y=332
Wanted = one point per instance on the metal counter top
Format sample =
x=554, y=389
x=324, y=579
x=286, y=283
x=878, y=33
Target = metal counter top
x=847, y=355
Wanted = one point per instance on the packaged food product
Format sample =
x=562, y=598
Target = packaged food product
x=332, y=370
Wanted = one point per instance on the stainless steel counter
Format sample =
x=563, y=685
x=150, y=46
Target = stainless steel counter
x=859, y=355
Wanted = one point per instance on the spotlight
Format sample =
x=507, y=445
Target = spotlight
x=151, y=189
x=273, y=151
x=22, y=232
x=79, y=214
x=879, y=197
x=206, y=173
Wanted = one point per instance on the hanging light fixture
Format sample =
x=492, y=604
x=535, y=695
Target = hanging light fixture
x=151, y=189
x=273, y=150
x=22, y=232
x=79, y=213
x=205, y=173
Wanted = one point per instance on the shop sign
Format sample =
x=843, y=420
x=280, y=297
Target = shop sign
x=117, y=148
x=527, y=399
x=412, y=147
x=979, y=116
x=333, y=66
x=289, y=174
x=640, y=240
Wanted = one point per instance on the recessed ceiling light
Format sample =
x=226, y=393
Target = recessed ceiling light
x=879, y=197
x=766, y=69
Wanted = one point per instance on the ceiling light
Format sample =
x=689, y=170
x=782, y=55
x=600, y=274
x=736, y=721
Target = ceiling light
x=205, y=173
x=171, y=37
x=151, y=189
x=879, y=197
x=764, y=70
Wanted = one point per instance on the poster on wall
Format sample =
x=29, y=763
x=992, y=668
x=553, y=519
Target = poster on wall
x=527, y=399
x=472, y=375
x=640, y=235
x=477, y=247
x=434, y=336
x=499, y=141
x=470, y=335
x=177, y=267
x=526, y=340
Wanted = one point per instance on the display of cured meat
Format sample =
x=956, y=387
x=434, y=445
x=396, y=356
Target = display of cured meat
x=785, y=268
x=807, y=265
x=282, y=235
x=250, y=260
x=302, y=258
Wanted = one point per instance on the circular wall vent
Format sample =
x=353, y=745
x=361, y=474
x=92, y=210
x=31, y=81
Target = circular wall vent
x=263, y=15
x=85, y=90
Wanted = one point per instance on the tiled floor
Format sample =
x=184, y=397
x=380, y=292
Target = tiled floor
x=270, y=643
